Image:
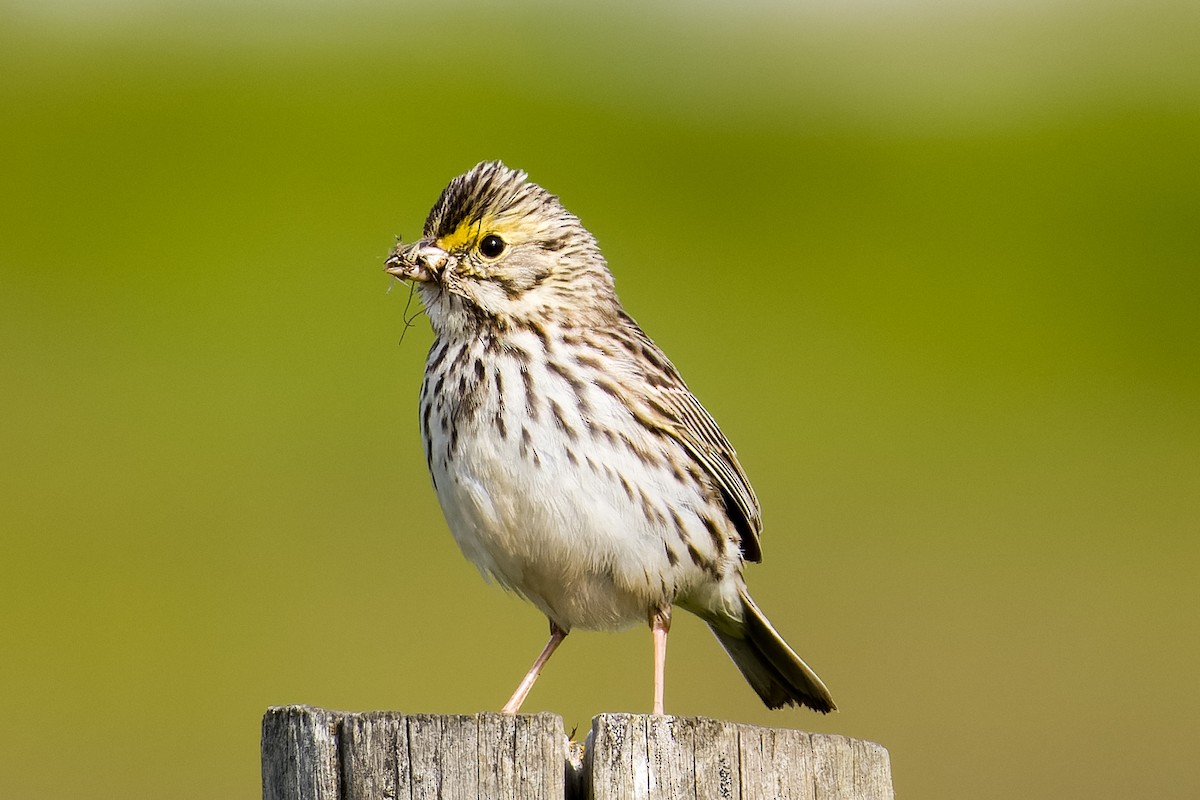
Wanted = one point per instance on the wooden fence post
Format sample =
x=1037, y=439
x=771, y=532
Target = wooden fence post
x=315, y=754
x=640, y=756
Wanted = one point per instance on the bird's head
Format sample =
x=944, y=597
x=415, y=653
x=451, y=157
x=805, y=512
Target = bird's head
x=500, y=249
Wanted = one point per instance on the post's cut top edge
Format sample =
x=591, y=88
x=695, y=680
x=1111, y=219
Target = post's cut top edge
x=611, y=719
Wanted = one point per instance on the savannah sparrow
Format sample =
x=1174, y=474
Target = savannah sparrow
x=571, y=461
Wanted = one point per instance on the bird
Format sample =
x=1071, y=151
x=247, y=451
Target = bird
x=572, y=464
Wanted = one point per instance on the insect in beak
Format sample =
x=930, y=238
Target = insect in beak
x=419, y=261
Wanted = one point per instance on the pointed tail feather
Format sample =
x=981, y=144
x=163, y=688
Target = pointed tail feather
x=772, y=668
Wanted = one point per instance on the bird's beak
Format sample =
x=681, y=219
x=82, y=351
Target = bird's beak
x=419, y=261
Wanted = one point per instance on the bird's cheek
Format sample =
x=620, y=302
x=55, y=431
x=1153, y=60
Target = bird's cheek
x=460, y=284
x=524, y=274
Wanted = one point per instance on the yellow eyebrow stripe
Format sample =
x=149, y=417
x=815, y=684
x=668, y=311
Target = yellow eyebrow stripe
x=462, y=237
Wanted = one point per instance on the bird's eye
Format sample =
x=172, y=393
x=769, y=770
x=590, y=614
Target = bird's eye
x=491, y=246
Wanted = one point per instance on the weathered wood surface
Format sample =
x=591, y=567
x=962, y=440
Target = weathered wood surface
x=663, y=758
x=314, y=754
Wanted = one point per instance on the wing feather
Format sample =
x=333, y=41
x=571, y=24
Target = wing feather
x=690, y=424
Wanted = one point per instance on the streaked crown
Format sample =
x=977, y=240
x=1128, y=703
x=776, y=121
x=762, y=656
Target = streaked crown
x=512, y=250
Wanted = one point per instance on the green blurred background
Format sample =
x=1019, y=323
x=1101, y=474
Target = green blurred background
x=933, y=267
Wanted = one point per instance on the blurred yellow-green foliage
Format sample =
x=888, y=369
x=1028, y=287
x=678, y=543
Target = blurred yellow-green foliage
x=934, y=267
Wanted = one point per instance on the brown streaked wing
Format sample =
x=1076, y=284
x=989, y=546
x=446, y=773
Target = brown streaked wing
x=701, y=437
x=695, y=429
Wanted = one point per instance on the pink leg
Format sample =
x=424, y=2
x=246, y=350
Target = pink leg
x=660, y=624
x=513, y=705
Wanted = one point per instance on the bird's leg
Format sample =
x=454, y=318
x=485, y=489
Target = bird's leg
x=660, y=624
x=513, y=705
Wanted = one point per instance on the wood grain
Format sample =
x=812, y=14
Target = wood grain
x=316, y=754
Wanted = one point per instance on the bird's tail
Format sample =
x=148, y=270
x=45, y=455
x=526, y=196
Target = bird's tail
x=772, y=668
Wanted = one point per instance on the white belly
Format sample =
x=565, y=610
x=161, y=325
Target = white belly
x=574, y=545
x=586, y=547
